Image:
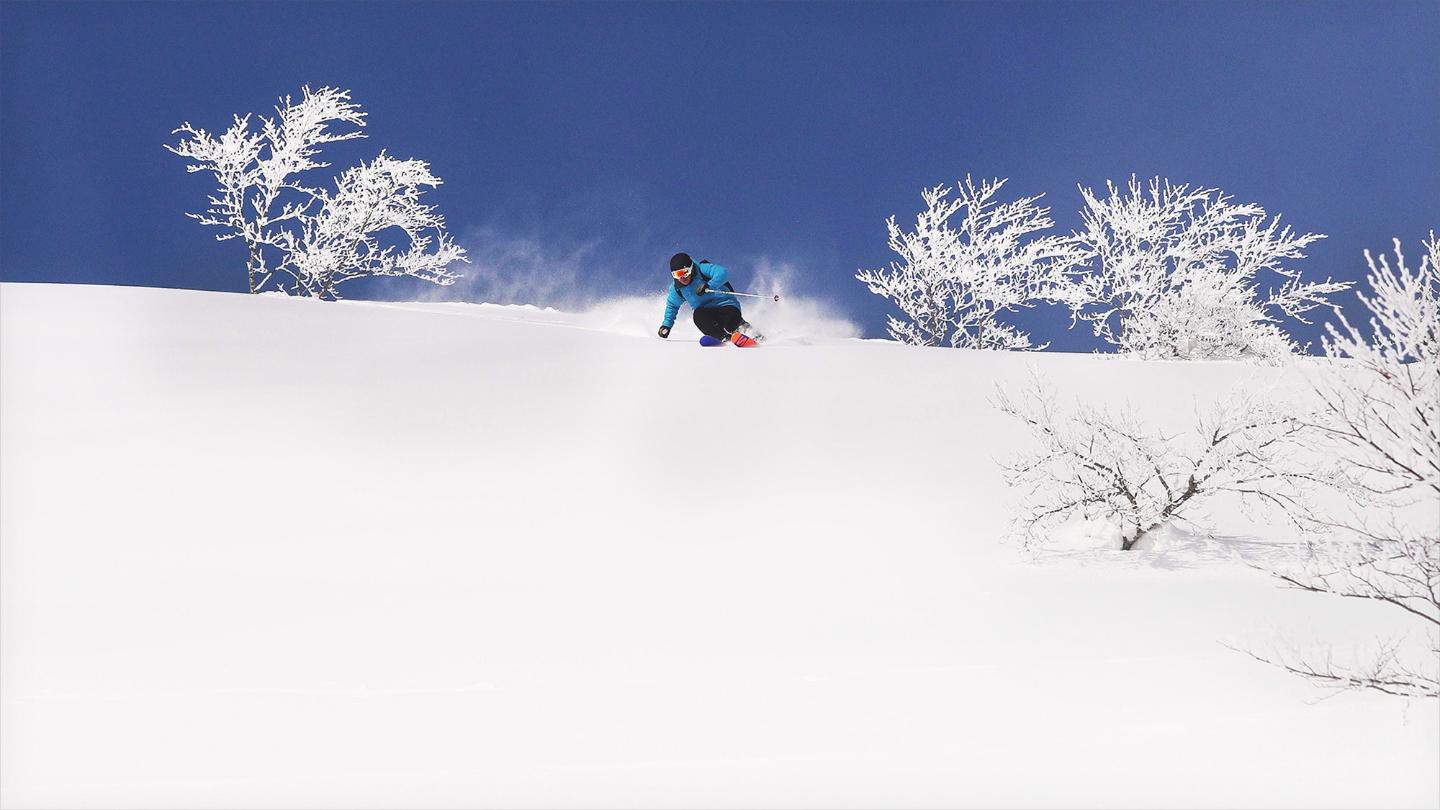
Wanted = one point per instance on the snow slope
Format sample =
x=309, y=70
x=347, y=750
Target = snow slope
x=265, y=552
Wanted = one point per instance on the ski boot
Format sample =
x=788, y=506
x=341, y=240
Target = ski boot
x=746, y=335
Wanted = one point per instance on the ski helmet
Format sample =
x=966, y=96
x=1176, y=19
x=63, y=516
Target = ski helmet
x=681, y=266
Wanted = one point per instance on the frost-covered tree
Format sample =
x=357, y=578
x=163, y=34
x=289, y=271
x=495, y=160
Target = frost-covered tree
x=1177, y=272
x=954, y=282
x=1382, y=402
x=1379, y=415
x=343, y=240
x=1107, y=467
x=306, y=239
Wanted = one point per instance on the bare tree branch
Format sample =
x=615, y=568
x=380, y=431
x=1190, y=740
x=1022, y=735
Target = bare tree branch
x=1104, y=465
x=1378, y=415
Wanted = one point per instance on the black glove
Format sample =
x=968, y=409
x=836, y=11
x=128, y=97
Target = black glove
x=702, y=289
x=664, y=332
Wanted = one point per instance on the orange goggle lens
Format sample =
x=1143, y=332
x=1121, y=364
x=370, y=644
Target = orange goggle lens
x=683, y=273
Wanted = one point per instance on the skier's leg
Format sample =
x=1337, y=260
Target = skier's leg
x=734, y=324
x=730, y=319
x=707, y=320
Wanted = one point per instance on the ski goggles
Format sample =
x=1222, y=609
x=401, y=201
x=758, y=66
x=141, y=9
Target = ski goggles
x=683, y=273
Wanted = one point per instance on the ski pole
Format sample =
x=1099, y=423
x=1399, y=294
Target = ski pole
x=775, y=298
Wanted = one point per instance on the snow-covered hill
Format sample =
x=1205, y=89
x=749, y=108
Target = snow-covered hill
x=257, y=551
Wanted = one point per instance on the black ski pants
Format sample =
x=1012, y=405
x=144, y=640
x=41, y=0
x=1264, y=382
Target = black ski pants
x=718, y=322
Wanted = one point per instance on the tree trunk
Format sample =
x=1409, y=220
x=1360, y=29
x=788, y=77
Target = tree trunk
x=1129, y=544
x=252, y=265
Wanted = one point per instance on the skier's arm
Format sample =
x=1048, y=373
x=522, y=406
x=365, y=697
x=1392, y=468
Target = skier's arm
x=672, y=307
x=717, y=276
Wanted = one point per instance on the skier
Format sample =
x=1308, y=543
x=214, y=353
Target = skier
x=705, y=286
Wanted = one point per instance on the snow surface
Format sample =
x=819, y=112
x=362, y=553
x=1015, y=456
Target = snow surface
x=267, y=552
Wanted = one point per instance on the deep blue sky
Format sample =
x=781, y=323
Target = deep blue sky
x=606, y=136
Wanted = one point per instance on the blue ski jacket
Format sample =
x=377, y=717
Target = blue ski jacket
x=715, y=277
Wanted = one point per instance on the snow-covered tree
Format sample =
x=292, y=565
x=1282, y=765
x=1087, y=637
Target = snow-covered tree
x=1380, y=412
x=954, y=283
x=305, y=239
x=343, y=240
x=1382, y=402
x=1177, y=272
x=1107, y=467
